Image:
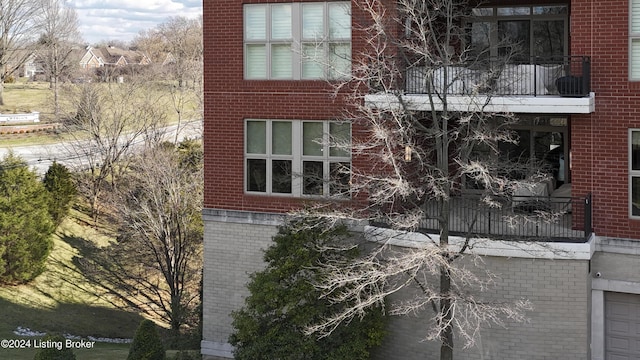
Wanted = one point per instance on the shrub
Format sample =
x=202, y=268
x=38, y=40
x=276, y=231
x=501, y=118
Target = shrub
x=53, y=353
x=187, y=355
x=146, y=344
x=25, y=223
x=283, y=302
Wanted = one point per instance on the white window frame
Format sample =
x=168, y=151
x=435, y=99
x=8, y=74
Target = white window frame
x=632, y=173
x=634, y=37
x=297, y=42
x=297, y=158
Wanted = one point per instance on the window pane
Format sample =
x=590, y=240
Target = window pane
x=281, y=176
x=281, y=138
x=340, y=60
x=480, y=37
x=511, y=11
x=257, y=175
x=635, y=196
x=340, y=177
x=281, y=61
x=340, y=20
x=255, y=22
x=482, y=11
x=635, y=16
x=312, y=138
x=256, y=62
x=550, y=10
x=515, y=38
x=341, y=138
x=312, y=21
x=548, y=38
x=281, y=21
x=312, y=177
x=256, y=137
x=635, y=150
x=312, y=61
x=635, y=59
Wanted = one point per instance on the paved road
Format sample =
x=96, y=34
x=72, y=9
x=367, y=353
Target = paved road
x=40, y=157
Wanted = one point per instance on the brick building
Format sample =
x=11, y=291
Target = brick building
x=264, y=105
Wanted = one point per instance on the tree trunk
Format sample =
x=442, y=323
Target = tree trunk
x=446, y=346
x=2, y=91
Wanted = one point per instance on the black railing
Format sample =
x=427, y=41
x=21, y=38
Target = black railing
x=561, y=76
x=532, y=218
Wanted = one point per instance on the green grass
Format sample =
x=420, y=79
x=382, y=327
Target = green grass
x=61, y=300
x=24, y=96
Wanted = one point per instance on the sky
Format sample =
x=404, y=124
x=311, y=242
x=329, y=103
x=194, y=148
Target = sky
x=123, y=19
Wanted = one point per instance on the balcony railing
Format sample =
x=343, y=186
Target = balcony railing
x=565, y=76
x=522, y=218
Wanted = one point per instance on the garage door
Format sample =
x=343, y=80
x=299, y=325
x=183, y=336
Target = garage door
x=622, y=326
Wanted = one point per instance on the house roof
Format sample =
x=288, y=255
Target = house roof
x=111, y=55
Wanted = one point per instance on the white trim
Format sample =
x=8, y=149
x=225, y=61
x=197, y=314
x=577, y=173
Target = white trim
x=486, y=247
x=492, y=104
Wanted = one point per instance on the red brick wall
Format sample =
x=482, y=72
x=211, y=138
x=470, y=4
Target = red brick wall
x=599, y=141
x=229, y=99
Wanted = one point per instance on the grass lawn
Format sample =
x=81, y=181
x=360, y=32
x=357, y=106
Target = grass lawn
x=61, y=300
x=27, y=96
x=24, y=96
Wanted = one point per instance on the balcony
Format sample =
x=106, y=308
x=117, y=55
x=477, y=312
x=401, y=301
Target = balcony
x=552, y=86
x=521, y=218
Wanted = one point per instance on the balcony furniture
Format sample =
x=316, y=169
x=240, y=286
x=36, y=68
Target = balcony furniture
x=570, y=86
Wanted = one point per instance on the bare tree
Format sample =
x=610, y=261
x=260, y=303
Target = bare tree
x=183, y=39
x=413, y=163
x=155, y=265
x=176, y=49
x=162, y=228
x=108, y=122
x=59, y=37
x=18, y=30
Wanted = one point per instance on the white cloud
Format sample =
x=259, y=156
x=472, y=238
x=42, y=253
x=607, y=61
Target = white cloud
x=124, y=19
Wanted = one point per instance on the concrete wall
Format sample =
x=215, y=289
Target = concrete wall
x=233, y=249
x=558, y=288
x=557, y=327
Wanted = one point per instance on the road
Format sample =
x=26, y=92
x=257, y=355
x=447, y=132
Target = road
x=40, y=157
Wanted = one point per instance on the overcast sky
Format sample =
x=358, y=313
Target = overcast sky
x=123, y=19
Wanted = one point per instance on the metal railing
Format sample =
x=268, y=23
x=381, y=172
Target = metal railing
x=525, y=218
x=559, y=76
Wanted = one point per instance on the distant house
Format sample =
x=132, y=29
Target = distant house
x=32, y=67
x=112, y=56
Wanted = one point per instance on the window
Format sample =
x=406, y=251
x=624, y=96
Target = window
x=297, y=40
x=520, y=31
x=634, y=40
x=297, y=158
x=634, y=173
